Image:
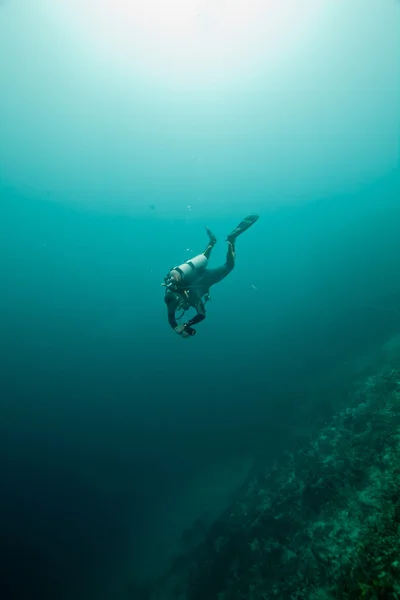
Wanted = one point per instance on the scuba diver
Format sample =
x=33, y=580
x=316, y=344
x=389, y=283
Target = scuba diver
x=188, y=286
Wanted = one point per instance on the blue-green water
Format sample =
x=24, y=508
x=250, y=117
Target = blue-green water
x=115, y=433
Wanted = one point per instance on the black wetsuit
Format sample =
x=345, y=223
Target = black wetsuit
x=194, y=294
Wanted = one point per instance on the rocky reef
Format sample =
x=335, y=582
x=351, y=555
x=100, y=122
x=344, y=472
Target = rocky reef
x=320, y=523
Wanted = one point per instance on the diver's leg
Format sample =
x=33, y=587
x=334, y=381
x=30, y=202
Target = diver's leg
x=230, y=256
x=242, y=227
x=210, y=245
x=213, y=276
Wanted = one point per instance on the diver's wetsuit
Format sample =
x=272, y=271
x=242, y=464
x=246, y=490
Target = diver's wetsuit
x=191, y=295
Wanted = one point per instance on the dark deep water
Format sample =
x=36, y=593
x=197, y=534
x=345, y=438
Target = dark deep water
x=104, y=414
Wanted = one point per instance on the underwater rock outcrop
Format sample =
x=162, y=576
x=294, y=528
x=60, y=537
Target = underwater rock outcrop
x=322, y=523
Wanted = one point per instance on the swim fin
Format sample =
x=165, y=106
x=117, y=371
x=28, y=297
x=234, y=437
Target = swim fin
x=242, y=227
x=213, y=239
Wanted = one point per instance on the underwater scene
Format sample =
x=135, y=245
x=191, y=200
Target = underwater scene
x=199, y=300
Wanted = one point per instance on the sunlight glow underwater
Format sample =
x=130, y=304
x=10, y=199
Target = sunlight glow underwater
x=193, y=39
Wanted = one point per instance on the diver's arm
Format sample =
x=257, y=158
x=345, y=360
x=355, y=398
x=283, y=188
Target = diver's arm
x=196, y=319
x=200, y=316
x=172, y=304
x=187, y=327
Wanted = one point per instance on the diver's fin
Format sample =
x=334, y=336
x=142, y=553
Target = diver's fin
x=242, y=227
x=213, y=239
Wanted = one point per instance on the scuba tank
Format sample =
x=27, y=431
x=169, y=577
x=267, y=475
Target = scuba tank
x=189, y=271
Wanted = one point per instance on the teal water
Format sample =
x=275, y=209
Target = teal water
x=116, y=435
